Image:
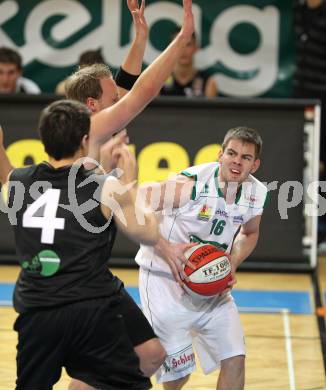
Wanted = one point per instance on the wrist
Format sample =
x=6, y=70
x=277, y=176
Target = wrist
x=125, y=79
x=159, y=246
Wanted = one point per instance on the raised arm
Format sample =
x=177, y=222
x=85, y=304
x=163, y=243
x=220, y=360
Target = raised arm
x=132, y=64
x=148, y=85
x=5, y=165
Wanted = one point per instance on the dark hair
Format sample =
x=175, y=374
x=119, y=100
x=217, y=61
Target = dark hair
x=244, y=134
x=10, y=56
x=85, y=82
x=91, y=57
x=62, y=126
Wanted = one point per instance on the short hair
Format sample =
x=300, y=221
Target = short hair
x=91, y=57
x=62, y=126
x=85, y=82
x=10, y=56
x=244, y=134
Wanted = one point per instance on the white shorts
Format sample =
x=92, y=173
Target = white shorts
x=180, y=321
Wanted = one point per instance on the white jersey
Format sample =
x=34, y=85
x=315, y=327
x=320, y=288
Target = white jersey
x=207, y=217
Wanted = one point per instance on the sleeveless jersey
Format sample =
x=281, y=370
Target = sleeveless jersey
x=63, y=260
x=194, y=88
x=206, y=217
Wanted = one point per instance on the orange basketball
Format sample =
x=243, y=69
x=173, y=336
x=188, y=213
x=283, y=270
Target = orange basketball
x=212, y=273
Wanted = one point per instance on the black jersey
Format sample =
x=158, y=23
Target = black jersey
x=194, y=88
x=63, y=240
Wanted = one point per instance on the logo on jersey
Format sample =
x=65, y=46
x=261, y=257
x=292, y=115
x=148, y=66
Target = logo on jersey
x=222, y=213
x=205, y=213
x=45, y=263
x=238, y=219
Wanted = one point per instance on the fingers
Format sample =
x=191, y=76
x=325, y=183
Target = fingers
x=142, y=7
x=175, y=273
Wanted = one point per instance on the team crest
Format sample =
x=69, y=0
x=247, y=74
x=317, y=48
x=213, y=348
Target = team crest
x=205, y=213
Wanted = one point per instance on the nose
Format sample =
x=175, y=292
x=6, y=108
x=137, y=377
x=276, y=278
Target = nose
x=237, y=160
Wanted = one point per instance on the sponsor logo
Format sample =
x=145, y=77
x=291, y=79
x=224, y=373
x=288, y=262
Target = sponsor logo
x=205, y=213
x=238, y=219
x=196, y=259
x=180, y=361
x=222, y=213
x=251, y=198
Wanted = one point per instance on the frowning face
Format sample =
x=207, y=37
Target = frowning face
x=237, y=161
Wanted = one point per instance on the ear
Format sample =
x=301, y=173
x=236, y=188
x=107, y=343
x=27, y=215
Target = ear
x=85, y=142
x=91, y=103
x=255, y=166
x=219, y=155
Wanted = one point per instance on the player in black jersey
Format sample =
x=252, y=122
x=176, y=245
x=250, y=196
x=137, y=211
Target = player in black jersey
x=109, y=120
x=66, y=297
x=186, y=80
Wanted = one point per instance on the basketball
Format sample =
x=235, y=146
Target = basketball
x=212, y=273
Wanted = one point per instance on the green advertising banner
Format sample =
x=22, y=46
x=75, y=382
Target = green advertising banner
x=246, y=44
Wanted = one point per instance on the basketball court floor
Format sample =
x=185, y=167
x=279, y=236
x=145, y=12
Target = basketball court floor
x=278, y=314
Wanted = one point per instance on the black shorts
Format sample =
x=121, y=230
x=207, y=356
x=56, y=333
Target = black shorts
x=88, y=338
x=138, y=328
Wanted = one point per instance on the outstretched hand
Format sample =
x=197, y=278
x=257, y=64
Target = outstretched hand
x=126, y=162
x=108, y=162
x=188, y=25
x=138, y=16
x=174, y=255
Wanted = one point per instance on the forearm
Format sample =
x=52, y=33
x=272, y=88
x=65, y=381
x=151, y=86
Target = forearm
x=134, y=60
x=243, y=246
x=150, y=82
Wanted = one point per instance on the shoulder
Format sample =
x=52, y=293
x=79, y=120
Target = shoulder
x=22, y=173
x=28, y=85
x=254, y=193
x=202, y=169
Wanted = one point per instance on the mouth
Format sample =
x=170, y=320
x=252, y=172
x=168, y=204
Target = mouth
x=235, y=172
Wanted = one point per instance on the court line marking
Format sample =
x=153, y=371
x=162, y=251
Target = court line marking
x=288, y=346
x=287, y=335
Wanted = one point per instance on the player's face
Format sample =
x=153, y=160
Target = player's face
x=237, y=161
x=109, y=96
x=187, y=56
x=9, y=73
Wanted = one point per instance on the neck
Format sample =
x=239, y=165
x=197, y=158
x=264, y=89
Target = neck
x=229, y=190
x=65, y=161
x=184, y=71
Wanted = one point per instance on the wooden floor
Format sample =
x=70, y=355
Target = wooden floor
x=283, y=350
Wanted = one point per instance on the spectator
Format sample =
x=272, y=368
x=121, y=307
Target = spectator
x=86, y=58
x=186, y=80
x=310, y=75
x=11, y=80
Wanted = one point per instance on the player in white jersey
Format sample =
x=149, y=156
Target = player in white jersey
x=220, y=203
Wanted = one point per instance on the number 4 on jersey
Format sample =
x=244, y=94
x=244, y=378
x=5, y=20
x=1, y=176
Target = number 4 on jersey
x=48, y=222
